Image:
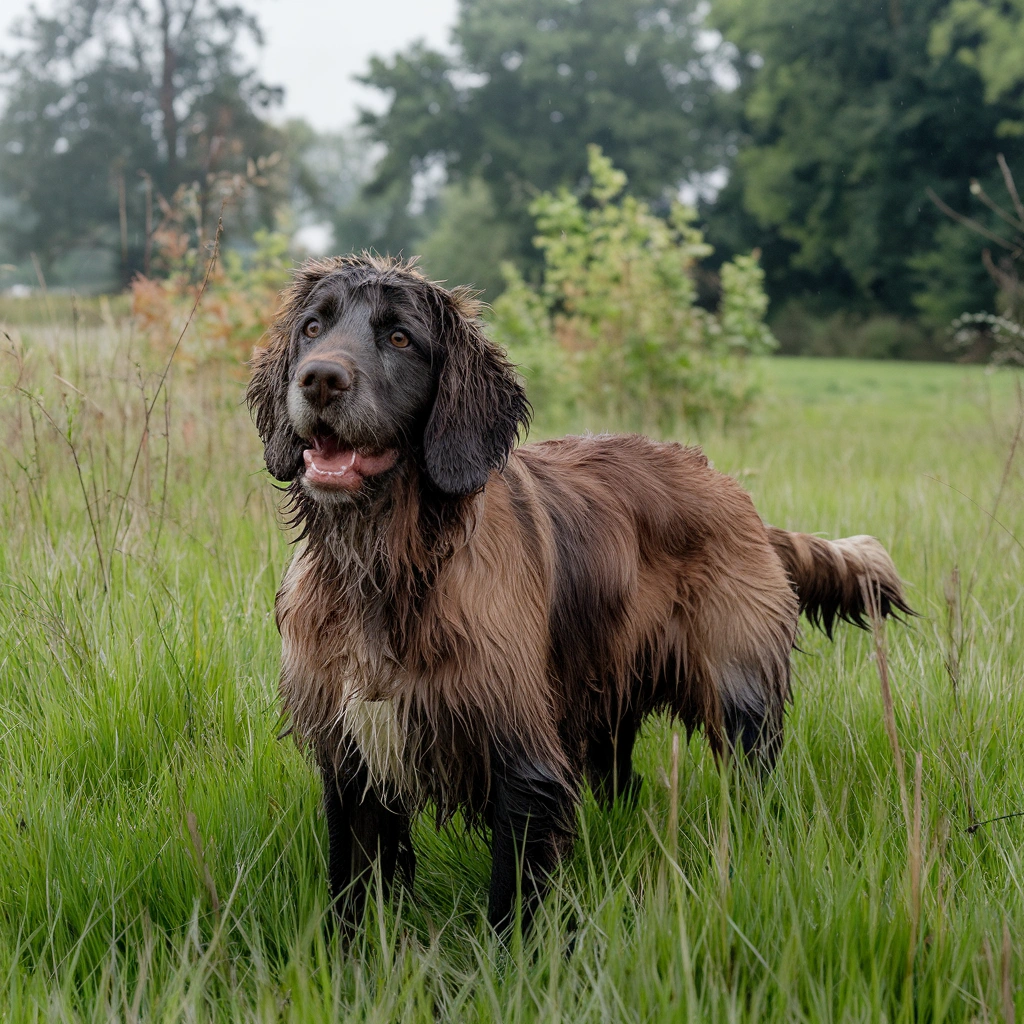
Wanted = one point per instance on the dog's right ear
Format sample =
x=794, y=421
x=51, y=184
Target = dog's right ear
x=267, y=393
x=267, y=398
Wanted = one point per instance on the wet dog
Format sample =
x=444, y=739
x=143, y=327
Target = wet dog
x=482, y=627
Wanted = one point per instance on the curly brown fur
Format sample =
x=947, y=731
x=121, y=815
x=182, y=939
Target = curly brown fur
x=485, y=629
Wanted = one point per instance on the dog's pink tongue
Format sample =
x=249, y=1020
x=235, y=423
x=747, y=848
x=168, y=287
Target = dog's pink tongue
x=341, y=460
x=330, y=466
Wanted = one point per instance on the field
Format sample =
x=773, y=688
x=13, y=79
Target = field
x=161, y=849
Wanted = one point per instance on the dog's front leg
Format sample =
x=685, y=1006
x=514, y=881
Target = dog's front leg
x=363, y=833
x=531, y=827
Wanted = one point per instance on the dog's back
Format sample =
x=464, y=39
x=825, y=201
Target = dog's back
x=666, y=592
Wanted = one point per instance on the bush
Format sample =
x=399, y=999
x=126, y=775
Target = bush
x=851, y=335
x=999, y=336
x=236, y=308
x=614, y=333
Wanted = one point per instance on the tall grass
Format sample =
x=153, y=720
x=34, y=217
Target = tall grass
x=162, y=851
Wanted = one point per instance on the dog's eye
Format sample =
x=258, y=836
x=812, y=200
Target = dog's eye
x=312, y=329
x=399, y=339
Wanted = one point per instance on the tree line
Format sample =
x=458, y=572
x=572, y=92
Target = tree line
x=810, y=130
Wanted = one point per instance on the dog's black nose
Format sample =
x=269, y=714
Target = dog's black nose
x=323, y=381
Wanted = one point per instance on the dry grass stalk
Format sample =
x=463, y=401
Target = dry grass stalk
x=1018, y=435
x=911, y=816
x=954, y=631
x=882, y=666
x=673, y=800
x=1006, y=972
x=914, y=857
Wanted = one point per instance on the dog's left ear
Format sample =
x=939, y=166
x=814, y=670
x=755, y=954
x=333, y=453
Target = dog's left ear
x=480, y=408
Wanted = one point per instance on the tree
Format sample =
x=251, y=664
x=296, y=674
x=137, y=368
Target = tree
x=533, y=82
x=849, y=119
x=469, y=241
x=988, y=37
x=103, y=91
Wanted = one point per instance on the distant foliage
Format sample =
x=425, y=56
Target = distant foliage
x=614, y=331
x=988, y=37
x=803, y=330
x=846, y=118
x=109, y=103
x=527, y=84
x=999, y=335
x=470, y=241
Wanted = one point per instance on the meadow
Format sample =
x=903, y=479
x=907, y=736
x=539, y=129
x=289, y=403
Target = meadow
x=162, y=848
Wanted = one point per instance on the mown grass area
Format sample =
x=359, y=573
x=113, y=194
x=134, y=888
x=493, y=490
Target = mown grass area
x=43, y=310
x=162, y=852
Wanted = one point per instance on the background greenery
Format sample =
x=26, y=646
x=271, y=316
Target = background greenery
x=809, y=130
x=614, y=330
x=162, y=848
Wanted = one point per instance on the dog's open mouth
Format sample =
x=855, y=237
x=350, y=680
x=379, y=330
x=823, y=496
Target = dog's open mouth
x=332, y=466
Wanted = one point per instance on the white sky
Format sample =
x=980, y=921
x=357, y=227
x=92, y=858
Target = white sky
x=314, y=47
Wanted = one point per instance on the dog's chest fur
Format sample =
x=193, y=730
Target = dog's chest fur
x=340, y=690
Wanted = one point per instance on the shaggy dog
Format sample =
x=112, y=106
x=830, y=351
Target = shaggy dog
x=483, y=627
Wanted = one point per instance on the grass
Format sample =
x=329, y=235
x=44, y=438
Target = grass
x=162, y=852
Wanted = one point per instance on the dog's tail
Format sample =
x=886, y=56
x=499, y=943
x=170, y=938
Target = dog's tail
x=832, y=577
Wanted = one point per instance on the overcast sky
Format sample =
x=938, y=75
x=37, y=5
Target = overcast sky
x=314, y=47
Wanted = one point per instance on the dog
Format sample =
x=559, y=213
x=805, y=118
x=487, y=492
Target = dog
x=475, y=626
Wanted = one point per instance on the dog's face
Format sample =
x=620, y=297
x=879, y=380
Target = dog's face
x=370, y=366
x=363, y=378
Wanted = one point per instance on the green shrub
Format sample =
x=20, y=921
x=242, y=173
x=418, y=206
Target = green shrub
x=853, y=335
x=614, y=332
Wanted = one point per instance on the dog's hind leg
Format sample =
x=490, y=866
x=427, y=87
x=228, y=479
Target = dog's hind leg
x=363, y=832
x=610, y=761
x=738, y=646
x=532, y=822
x=752, y=724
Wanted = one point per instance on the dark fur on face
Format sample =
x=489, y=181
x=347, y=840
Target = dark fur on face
x=447, y=400
x=485, y=629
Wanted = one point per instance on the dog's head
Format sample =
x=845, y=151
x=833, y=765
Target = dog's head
x=369, y=365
